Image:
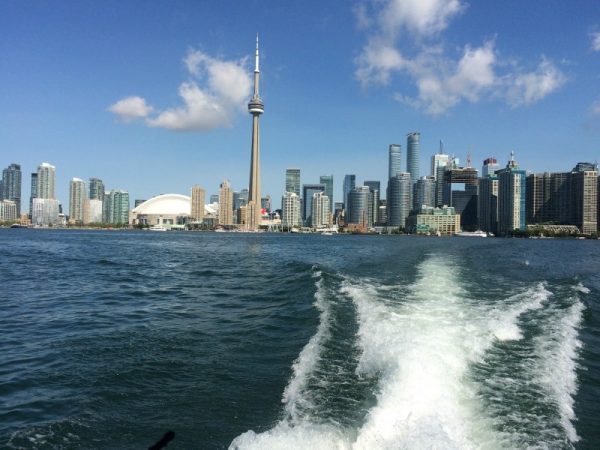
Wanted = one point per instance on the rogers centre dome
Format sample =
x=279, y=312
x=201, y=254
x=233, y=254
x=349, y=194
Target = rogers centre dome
x=165, y=209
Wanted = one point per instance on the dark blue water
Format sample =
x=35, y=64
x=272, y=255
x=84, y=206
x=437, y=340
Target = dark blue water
x=109, y=339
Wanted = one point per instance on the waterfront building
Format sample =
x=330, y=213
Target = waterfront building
x=424, y=192
x=439, y=163
x=242, y=215
x=412, y=155
x=197, y=207
x=308, y=190
x=165, y=210
x=265, y=203
x=225, y=204
x=357, y=211
x=327, y=181
x=382, y=213
x=430, y=220
x=488, y=204
x=255, y=108
x=321, y=211
x=45, y=212
x=584, y=198
x=116, y=209
x=93, y=211
x=394, y=160
x=33, y=191
x=490, y=166
x=11, y=185
x=511, y=197
x=292, y=181
x=46, y=181
x=399, y=200
x=240, y=199
x=375, y=190
x=349, y=185
x=96, y=189
x=77, y=197
x=290, y=210
x=460, y=192
x=8, y=211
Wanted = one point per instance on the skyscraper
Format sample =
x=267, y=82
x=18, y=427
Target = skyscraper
x=375, y=190
x=490, y=166
x=584, y=198
x=320, y=210
x=511, y=197
x=77, y=197
x=327, y=181
x=424, y=192
x=225, y=204
x=96, y=189
x=256, y=108
x=46, y=181
x=11, y=185
x=116, y=207
x=197, y=209
x=399, y=200
x=358, y=206
x=412, y=155
x=290, y=206
x=349, y=185
x=460, y=192
x=308, y=190
x=439, y=160
x=394, y=160
x=292, y=181
x=33, y=192
x=487, y=210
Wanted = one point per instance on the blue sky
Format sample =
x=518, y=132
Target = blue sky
x=341, y=80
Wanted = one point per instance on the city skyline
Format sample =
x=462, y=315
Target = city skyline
x=549, y=132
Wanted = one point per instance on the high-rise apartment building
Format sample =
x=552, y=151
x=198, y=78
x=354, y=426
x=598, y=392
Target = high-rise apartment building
x=394, y=160
x=116, y=207
x=321, y=211
x=292, y=181
x=308, y=190
x=290, y=210
x=349, y=185
x=412, y=155
x=8, y=211
x=265, y=203
x=584, y=199
x=399, y=200
x=46, y=181
x=487, y=210
x=96, y=188
x=197, y=207
x=77, y=197
x=33, y=191
x=460, y=192
x=225, y=204
x=375, y=190
x=93, y=211
x=44, y=212
x=439, y=160
x=511, y=197
x=424, y=192
x=327, y=181
x=11, y=185
x=359, y=205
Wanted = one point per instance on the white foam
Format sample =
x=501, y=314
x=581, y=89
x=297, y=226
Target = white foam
x=294, y=396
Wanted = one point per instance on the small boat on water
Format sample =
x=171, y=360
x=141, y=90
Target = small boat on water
x=477, y=233
x=157, y=228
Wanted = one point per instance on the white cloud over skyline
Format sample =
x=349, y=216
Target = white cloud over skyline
x=216, y=91
x=441, y=81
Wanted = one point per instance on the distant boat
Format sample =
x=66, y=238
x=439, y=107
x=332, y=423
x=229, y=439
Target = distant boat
x=157, y=228
x=477, y=233
x=18, y=225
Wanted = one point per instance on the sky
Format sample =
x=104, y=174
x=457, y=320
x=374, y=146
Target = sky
x=152, y=97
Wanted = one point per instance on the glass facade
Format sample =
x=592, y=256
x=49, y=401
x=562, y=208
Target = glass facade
x=399, y=200
x=292, y=181
x=327, y=181
x=395, y=160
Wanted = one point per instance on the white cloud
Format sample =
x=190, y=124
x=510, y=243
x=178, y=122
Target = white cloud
x=595, y=41
x=224, y=92
x=440, y=81
x=131, y=108
x=528, y=88
x=595, y=109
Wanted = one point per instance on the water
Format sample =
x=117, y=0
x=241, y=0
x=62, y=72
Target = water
x=109, y=339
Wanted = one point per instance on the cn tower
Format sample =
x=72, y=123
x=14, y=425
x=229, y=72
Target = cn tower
x=256, y=108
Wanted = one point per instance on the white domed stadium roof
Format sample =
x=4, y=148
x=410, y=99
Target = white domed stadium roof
x=166, y=204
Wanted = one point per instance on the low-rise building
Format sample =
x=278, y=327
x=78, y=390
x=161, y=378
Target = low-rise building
x=429, y=220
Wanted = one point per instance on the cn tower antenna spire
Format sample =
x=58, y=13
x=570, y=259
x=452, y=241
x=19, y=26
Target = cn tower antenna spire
x=256, y=59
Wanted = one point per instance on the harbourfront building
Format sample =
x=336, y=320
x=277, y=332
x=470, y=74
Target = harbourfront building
x=511, y=198
x=321, y=211
x=96, y=189
x=460, y=192
x=394, y=160
x=116, y=207
x=290, y=210
x=308, y=190
x=399, y=200
x=490, y=166
x=412, y=156
x=93, y=211
x=358, y=212
x=292, y=181
x=11, y=185
x=8, y=211
x=46, y=181
x=33, y=192
x=45, y=212
x=77, y=200
x=584, y=199
x=349, y=185
x=487, y=210
x=327, y=181
x=197, y=207
x=375, y=191
x=430, y=220
x=424, y=192
x=225, y=204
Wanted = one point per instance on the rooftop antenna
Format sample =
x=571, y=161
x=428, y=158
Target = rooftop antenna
x=469, y=160
x=441, y=147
